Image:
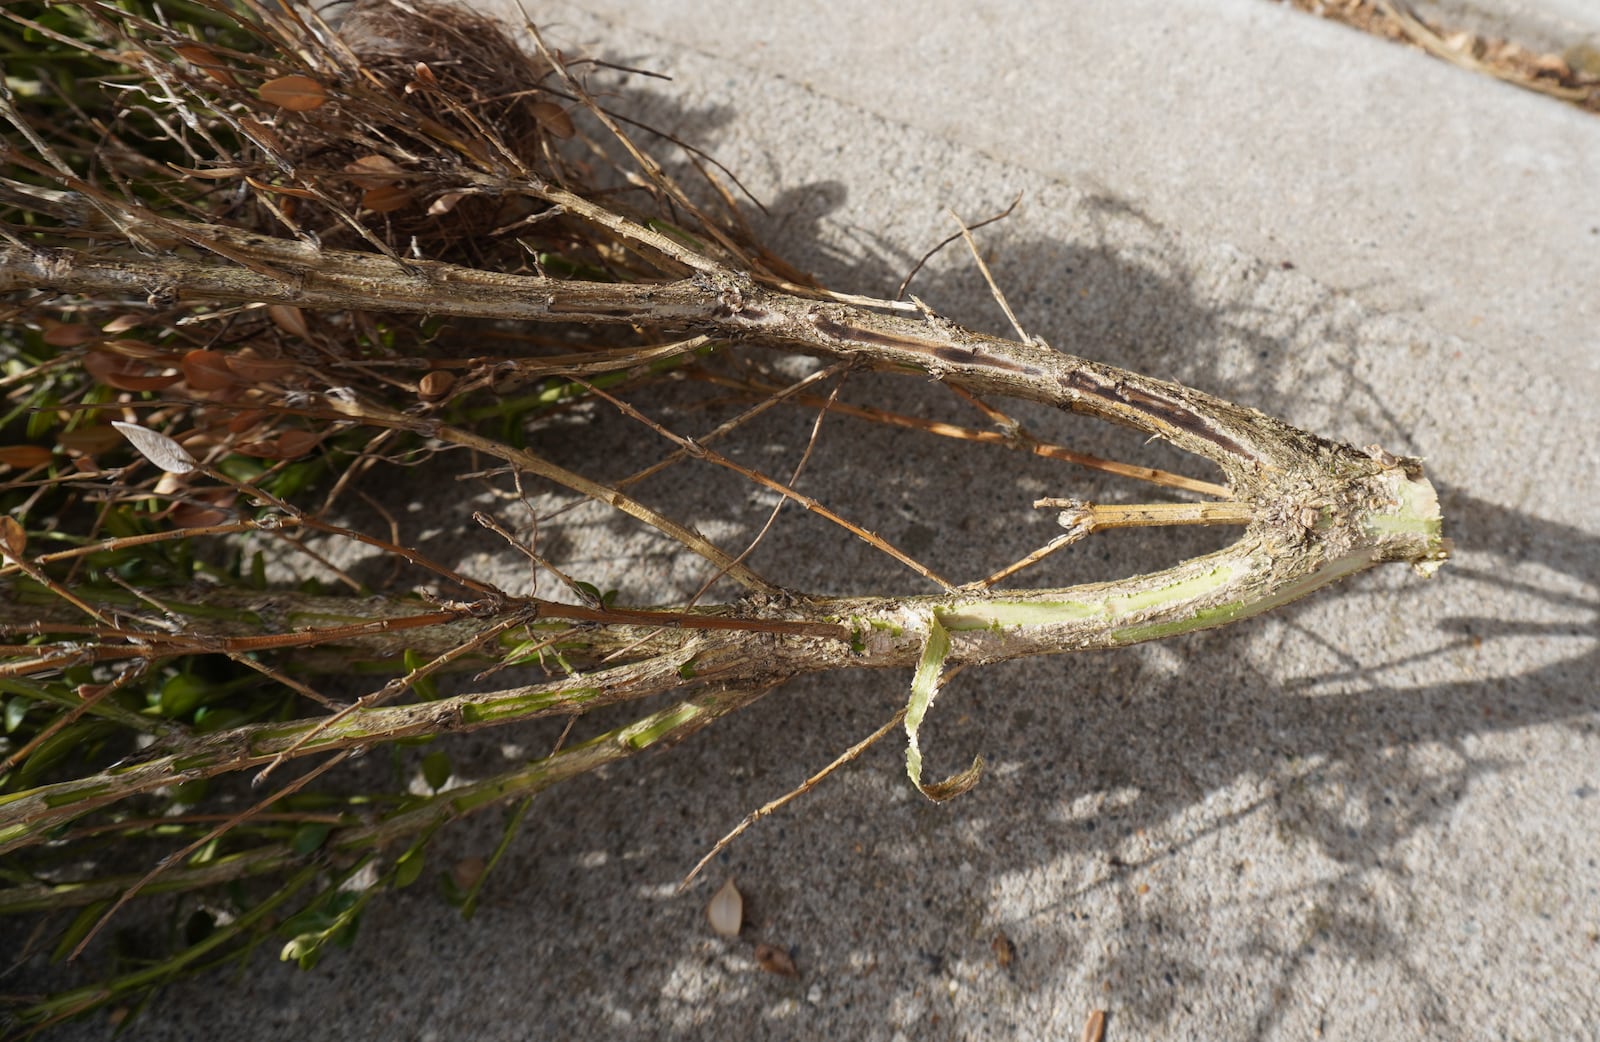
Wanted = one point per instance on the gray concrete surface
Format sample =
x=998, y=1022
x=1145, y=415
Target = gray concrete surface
x=1371, y=815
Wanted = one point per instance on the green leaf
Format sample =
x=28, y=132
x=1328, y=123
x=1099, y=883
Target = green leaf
x=206, y=854
x=59, y=746
x=309, y=837
x=16, y=709
x=425, y=687
x=409, y=866
x=210, y=719
x=82, y=923
x=191, y=792
x=469, y=900
x=181, y=695
x=924, y=689
x=436, y=769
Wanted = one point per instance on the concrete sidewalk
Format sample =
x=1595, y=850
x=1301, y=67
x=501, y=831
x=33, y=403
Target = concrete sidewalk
x=1371, y=815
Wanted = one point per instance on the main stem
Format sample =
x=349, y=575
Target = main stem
x=1318, y=511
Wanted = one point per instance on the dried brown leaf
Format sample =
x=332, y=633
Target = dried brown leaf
x=261, y=134
x=374, y=171
x=386, y=199
x=294, y=444
x=208, y=63
x=775, y=960
x=91, y=440
x=243, y=421
x=466, y=872
x=13, y=537
x=207, y=371
x=70, y=334
x=294, y=93
x=255, y=369
x=24, y=456
x=126, y=374
x=288, y=318
x=553, y=118
x=210, y=508
x=445, y=203
x=123, y=323
x=1005, y=952
x=435, y=385
x=294, y=193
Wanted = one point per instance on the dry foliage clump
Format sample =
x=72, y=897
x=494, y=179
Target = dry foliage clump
x=1573, y=76
x=255, y=266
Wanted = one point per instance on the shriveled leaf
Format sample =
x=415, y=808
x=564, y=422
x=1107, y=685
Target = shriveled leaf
x=374, y=171
x=24, y=456
x=215, y=173
x=295, y=93
x=775, y=960
x=1005, y=951
x=211, y=510
x=13, y=537
x=275, y=189
x=435, y=385
x=206, y=62
x=261, y=134
x=123, y=323
x=386, y=199
x=254, y=368
x=554, y=118
x=128, y=347
x=924, y=689
x=157, y=448
x=91, y=440
x=245, y=419
x=207, y=371
x=466, y=872
x=445, y=203
x=70, y=334
x=126, y=374
x=294, y=444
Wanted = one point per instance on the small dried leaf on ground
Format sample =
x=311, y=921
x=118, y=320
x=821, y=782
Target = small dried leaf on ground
x=725, y=911
x=775, y=960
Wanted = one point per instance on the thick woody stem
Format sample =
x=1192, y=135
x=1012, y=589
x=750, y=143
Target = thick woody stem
x=1316, y=511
